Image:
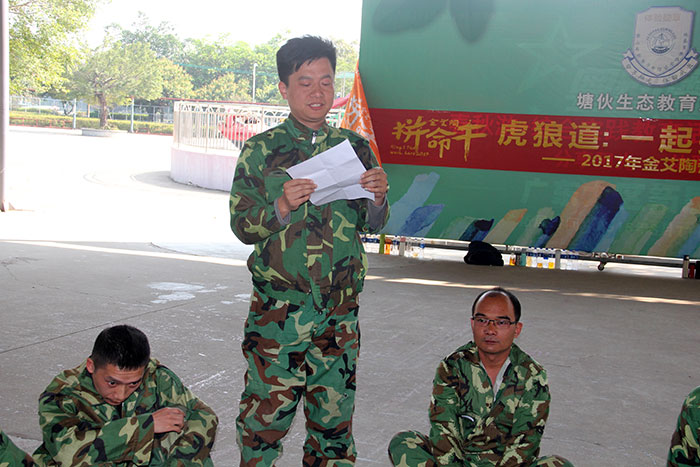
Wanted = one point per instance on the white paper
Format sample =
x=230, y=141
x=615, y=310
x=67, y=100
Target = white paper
x=336, y=172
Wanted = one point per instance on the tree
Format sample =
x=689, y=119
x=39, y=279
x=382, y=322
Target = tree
x=207, y=60
x=176, y=82
x=223, y=88
x=161, y=39
x=43, y=41
x=269, y=93
x=114, y=72
x=346, y=61
x=166, y=45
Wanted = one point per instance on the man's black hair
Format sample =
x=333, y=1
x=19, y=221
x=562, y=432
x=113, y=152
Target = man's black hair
x=123, y=346
x=300, y=50
x=499, y=290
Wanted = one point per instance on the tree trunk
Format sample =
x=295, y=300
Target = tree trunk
x=103, y=110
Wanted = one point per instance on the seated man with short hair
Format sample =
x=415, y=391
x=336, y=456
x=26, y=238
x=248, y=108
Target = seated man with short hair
x=685, y=443
x=490, y=399
x=121, y=407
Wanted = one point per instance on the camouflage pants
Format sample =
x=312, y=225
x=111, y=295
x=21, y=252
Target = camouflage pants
x=295, y=351
x=413, y=449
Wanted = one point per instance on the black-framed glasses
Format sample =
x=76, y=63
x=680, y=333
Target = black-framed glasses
x=500, y=323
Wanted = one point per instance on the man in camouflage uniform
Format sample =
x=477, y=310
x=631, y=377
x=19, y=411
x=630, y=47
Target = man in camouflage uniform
x=301, y=338
x=490, y=399
x=123, y=408
x=11, y=455
x=685, y=444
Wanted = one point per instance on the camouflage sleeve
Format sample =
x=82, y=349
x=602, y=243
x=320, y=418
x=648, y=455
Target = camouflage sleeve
x=11, y=455
x=523, y=443
x=195, y=442
x=445, y=434
x=685, y=443
x=253, y=195
x=71, y=440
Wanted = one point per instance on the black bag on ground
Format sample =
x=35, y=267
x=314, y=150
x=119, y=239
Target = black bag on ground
x=483, y=253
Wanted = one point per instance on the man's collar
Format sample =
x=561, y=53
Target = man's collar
x=87, y=386
x=473, y=353
x=302, y=132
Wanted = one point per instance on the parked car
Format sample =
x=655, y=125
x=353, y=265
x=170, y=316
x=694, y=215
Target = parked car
x=238, y=128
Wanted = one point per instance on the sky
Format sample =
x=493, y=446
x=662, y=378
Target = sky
x=252, y=21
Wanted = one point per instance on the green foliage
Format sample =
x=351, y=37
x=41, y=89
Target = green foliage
x=127, y=116
x=145, y=61
x=114, y=72
x=161, y=39
x=43, y=41
x=346, y=62
x=223, y=88
x=60, y=121
x=268, y=93
x=176, y=82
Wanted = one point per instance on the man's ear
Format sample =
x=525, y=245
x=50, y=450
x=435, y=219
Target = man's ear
x=90, y=365
x=283, y=89
x=518, y=328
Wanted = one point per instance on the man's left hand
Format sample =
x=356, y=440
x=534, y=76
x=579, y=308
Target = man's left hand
x=375, y=181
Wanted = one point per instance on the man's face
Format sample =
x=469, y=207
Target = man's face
x=490, y=338
x=310, y=92
x=114, y=384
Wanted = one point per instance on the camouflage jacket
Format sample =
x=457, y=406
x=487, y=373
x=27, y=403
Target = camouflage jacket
x=11, y=455
x=469, y=427
x=319, y=252
x=80, y=429
x=685, y=444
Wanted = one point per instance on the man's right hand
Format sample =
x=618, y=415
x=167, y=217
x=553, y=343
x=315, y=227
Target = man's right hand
x=296, y=192
x=168, y=419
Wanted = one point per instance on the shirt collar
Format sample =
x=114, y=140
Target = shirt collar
x=87, y=387
x=301, y=132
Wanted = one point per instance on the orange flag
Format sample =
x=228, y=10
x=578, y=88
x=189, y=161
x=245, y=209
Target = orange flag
x=357, y=116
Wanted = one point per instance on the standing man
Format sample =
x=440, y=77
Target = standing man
x=490, y=399
x=121, y=407
x=301, y=337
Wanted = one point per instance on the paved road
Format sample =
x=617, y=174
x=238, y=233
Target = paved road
x=102, y=236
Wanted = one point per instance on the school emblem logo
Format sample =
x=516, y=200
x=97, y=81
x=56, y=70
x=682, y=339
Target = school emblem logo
x=662, y=53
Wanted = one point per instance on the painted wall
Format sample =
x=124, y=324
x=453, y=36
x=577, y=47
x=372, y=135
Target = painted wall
x=551, y=123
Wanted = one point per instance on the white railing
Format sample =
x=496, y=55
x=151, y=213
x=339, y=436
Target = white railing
x=223, y=126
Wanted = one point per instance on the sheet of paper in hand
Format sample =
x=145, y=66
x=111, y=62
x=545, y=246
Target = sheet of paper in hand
x=336, y=172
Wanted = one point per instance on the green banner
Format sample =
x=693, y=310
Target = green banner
x=525, y=79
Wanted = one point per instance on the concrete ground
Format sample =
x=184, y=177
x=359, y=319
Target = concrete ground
x=101, y=236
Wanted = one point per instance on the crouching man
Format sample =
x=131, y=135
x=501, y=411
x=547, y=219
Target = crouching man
x=490, y=399
x=121, y=407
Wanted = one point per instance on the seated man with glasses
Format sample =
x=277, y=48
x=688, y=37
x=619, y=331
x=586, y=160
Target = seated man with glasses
x=490, y=400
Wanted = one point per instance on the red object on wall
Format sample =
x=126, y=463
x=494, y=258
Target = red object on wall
x=618, y=147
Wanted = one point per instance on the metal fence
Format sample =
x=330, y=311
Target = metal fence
x=48, y=105
x=217, y=126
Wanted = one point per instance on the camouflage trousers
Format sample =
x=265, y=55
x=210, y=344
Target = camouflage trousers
x=297, y=351
x=413, y=449
x=11, y=455
x=161, y=456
